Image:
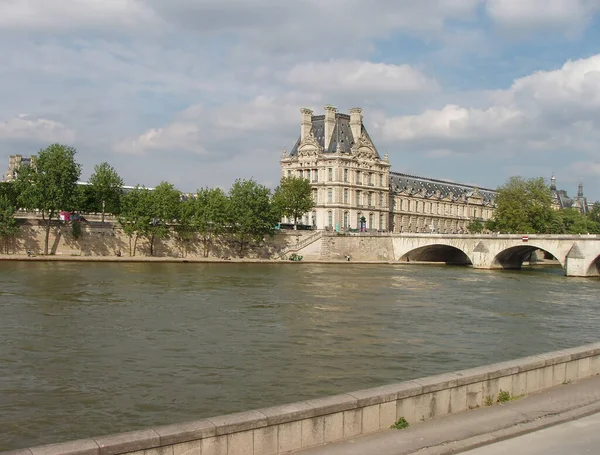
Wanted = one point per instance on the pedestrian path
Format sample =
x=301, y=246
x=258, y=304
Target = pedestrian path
x=471, y=429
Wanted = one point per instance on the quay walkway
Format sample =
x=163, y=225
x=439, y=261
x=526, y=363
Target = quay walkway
x=492, y=428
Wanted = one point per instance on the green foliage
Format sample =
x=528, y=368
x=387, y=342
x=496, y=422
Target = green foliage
x=8, y=224
x=107, y=187
x=184, y=230
x=571, y=221
x=503, y=396
x=134, y=215
x=86, y=200
x=293, y=198
x=149, y=214
x=251, y=214
x=400, y=424
x=476, y=227
x=7, y=190
x=50, y=185
x=523, y=206
x=162, y=207
x=489, y=401
x=594, y=214
x=210, y=215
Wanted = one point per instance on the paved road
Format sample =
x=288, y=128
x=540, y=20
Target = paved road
x=579, y=437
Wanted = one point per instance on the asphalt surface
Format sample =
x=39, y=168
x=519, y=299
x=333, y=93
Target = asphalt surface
x=493, y=426
x=578, y=437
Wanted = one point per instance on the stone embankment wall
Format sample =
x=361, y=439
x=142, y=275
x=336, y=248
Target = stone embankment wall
x=285, y=428
x=359, y=248
x=105, y=240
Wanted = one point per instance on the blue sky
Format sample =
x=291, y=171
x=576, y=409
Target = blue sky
x=200, y=92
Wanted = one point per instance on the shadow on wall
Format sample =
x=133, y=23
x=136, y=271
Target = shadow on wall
x=109, y=239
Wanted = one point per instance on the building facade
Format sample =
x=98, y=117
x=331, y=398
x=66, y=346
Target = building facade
x=354, y=188
x=14, y=163
x=561, y=200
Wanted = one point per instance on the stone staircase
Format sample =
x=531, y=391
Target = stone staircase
x=301, y=244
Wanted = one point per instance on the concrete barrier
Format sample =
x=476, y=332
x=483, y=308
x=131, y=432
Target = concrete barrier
x=285, y=428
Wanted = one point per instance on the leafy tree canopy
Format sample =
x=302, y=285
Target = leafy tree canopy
x=8, y=223
x=293, y=197
x=251, y=214
x=107, y=187
x=523, y=206
x=50, y=185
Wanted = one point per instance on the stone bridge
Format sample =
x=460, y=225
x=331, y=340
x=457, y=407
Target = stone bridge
x=579, y=255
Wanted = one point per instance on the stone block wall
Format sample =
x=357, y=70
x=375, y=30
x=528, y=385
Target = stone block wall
x=107, y=240
x=309, y=423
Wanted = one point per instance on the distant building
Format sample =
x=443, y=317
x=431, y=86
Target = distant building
x=561, y=200
x=14, y=163
x=354, y=188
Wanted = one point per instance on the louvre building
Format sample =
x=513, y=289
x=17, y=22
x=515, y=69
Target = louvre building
x=352, y=182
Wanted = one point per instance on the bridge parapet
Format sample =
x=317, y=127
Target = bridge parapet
x=579, y=255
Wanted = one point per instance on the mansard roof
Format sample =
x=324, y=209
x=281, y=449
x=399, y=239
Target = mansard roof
x=438, y=188
x=342, y=134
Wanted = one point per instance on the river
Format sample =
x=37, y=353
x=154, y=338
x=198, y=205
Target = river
x=93, y=348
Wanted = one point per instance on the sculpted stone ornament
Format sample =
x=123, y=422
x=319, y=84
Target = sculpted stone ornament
x=309, y=146
x=363, y=148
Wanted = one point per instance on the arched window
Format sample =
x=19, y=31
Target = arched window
x=346, y=220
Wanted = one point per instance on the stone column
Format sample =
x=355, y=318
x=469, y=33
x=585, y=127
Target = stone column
x=356, y=122
x=306, y=122
x=329, y=124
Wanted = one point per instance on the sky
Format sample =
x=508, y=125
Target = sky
x=201, y=92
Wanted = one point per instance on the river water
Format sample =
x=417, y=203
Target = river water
x=93, y=348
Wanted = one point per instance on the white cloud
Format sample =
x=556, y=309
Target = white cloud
x=228, y=128
x=359, y=76
x=63, y=15
x=546, y=110
x=24, y=127
x=569, y=16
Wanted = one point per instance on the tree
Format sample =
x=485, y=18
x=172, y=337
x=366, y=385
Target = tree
x=523, y=206
x=134, y=215
x=7, y=189
x=476, y=227
x=210, y=213
x=107, y=187
x=162, y=208
x=594, y=214
x=184, y=229
x=251, y=214
x=573, y=221
x=86, y=199
x=293, y=197
x=50, y=185
x=8, y=223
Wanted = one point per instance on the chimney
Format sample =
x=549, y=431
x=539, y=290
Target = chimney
x=356, y=122
x=306, y=123
x=329, y=125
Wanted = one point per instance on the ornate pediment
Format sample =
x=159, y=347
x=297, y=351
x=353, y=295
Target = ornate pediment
x=309, y=146
x=363, y=148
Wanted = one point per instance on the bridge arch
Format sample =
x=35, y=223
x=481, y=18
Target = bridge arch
x=594, y=267
x=437, y=252
x=514, y=256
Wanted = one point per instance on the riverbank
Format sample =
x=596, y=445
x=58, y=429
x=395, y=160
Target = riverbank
x=471, y=404
x=65, y=258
